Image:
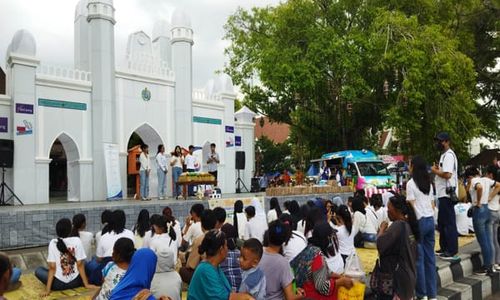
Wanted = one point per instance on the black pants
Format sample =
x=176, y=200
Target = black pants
x=447, y=226
x=57, y=285
x=214, y=173
x=190, y=187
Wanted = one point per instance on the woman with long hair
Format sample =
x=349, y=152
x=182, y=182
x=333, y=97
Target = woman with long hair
x=274, y=210
x=141, y=228
x=239, y=219
x=360, y=224
x=162, y=169
x=65, y=260
x=345, y=235
x=397, y=248
x=176, y=162
x=164, y=234
x=167, y=212
x=314, y=216
x=420, y=194
x=311, y=270
x=79, y=226
x=301, y=223
x=106, y=216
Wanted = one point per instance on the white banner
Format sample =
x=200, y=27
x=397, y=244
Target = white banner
x=112, y=163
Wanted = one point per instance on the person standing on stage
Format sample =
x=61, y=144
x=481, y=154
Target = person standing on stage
x=190, y=162
x=144, y=172
x=212, y=161
x=446, y=181
x=161, y=161
x=176, y=162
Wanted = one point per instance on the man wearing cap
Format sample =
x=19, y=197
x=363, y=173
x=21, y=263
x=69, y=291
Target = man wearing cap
x=446, y=183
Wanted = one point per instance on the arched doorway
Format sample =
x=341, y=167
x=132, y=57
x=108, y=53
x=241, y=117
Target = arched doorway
x=64, y=170
x=145, y=134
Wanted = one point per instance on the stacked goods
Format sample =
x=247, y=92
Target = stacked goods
x=306, y=190
x=193, y=176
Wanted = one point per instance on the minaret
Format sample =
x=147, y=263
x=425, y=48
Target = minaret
x=161, y=43
x=81, y=27
x=102, y=66
x=182, y=43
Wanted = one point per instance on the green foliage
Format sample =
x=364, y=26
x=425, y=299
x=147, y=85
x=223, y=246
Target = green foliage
x=273, y=156
x=321, y=67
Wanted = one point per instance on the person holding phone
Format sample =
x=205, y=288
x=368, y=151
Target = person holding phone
x=213, y=161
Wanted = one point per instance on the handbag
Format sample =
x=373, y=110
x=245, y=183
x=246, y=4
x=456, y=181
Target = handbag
x=383, y=283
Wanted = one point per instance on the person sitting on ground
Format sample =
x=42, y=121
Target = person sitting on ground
x=239, y=219
x=375, y=212
x=231, y=266
x=167, y=212
x=209, y=282
x=311, y=270
x=5, y=274
x=315, y=215
x=207, y=223
x=15, y=277
x=141, y=228
x=151, y=232
x=295, y=211
x=104, y=249
x=286, y=204
x=274, y=211
x=164, y=234
x=113, y=272
x=397, y=248
x=166, y=280
x=220, y=217
x=192, y=226
x=78, y=230
x=138, y=277
x=65, y=259
x=295, y=241
x=253, y=279
x=254, y=227
x=363, y=230
x=106, y=216
x=279, y=277
x=301, y=222
x=345, y=236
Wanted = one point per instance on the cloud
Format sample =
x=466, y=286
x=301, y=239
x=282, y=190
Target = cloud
x=51, y=23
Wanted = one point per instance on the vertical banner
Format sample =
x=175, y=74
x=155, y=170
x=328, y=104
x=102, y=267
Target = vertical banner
x=112, y=164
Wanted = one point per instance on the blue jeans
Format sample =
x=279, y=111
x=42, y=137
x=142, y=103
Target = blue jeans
x=426, y=260
x=369, y=237
x=176, y=173
x=42, y=274
x=144, y=183
x=447, y=226
x=161, y=182
x=190, y=187
x=481, y=221
x=16, y=275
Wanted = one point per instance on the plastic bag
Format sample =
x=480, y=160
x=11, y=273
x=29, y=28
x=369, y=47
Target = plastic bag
x=353, y=267
x=357, y=292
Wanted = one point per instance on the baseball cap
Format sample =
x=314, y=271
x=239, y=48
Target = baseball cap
x=165, y=256
x=442, y=136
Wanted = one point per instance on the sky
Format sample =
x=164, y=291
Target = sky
x=51, y=23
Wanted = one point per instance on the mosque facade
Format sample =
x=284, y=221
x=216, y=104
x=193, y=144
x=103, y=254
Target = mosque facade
x=90, y=112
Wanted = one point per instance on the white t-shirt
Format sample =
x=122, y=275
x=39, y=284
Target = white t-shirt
x=167, y=284
x=301, y=226
x=112, y=275
x=193, y=232
x=66, y=268
x=346, y=240
x=423, y=202
x=255, y=229
x=335, y=263
x=447, y=163
x=272, y=215
x=178, y=233
x=212, y=166
x=177, y=161
x=144, y=160
x=108, y=240
x=372, y=218
x=494, y=203
x=164, y=238
x=190, y=161
x=461, y=218
x=161, y=162
x=295, y=245
x=241, y=218
x=486, y=183
x=86, y=238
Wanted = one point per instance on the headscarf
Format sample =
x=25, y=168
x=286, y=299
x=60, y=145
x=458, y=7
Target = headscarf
x=139, y=275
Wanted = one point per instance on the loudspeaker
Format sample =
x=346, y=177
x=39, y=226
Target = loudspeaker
x=255, y=186
x=6, y=153
x=240, y=160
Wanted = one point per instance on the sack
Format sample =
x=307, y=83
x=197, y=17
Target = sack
x=357, y=292
x=381, y=283
x=353, y=267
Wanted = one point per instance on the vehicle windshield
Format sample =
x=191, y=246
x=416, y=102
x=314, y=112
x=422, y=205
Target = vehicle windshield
x=372, y=168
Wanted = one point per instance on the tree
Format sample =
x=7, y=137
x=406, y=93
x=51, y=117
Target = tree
x=322, y=67
x=274, y=157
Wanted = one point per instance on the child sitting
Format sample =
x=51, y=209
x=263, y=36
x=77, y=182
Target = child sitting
x=114, y=271
x=253, y=279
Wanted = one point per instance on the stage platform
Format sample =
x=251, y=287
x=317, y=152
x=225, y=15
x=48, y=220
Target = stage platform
x=34, y=225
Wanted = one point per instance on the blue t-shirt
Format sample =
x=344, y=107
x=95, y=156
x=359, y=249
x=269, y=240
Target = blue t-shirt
x=208, y=282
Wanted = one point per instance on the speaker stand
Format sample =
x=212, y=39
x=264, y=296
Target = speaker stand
x=3, y=199
x=238, y=182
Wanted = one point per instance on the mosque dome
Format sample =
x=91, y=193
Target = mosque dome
x=23, y=42
x=161, y=29
x=180, y=19
x=223, y=84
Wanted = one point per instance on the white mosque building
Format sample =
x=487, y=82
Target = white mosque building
x=92, y=111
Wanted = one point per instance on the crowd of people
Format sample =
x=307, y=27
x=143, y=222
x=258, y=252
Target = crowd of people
x=178, y=162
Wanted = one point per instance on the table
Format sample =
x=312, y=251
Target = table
x=185, y=184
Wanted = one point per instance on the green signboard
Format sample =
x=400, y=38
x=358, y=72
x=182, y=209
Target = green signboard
x=62, y=104
x=207, y=120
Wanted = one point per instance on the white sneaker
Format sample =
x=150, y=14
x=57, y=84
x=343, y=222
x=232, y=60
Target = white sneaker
x=496, y=267
x=161, y=198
